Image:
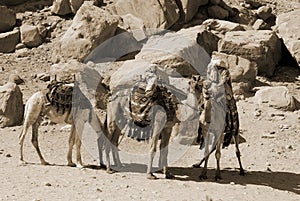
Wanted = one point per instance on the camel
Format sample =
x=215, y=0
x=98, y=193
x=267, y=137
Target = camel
x=203, y=89
x=59, y=108
x=159, y=126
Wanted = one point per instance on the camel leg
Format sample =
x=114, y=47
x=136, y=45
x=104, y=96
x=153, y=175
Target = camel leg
x=71, y=144
x=34, y=141
x=78, y=149
x=115, y=151
x=164, y=149
x=218, y=157
x=238, y=154
x=21, y=140
x=153, y=145
x=203, y=174
x=100, y=143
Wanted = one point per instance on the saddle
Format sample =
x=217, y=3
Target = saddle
x=59, y=95
x=140, y=105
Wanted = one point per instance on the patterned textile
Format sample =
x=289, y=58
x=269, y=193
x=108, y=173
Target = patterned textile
x=59, y=95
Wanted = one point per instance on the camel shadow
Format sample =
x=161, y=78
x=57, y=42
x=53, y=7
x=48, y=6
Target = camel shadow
x=286, y=181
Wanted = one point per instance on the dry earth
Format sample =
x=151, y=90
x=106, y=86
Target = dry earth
x=270, y=154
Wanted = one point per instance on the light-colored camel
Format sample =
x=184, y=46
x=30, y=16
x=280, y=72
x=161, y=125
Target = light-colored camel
x=223, y=114
x=160, y=128
x=37, y=107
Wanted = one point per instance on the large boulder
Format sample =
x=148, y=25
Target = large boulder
x=243, y=72
x=156, y=15
x=190, y=8
x=260, y=46
x=8, y=19
x=30, y=36
x=289, y=30
x=178, y=53
x=91, y=26
x=9, y=40
x=277, y=97
x=61, y=7
x=11, y=105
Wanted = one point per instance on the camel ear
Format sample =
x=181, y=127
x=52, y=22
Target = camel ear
x=74, y=77
x=55, y=77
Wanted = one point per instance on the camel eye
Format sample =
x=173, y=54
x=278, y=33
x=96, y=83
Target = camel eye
x=144, y=99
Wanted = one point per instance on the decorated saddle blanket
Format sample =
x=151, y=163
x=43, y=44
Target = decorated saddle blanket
x=59, y=95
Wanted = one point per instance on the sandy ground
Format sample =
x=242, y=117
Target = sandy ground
x=270, y=154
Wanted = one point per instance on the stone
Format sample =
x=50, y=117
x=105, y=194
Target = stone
x=61, y=7
x=288, y=28
x=208, y=39
x=30, y=36
x=222, y=26
x=166, y=13
x=190, y=8
x=75, y=5
x=218, y=12
x=245, y=16
x=178, y=53
x=243, y=72
x=14, y=78
x=11, y=105
x=91, y=26
x=277, y=97
x=264, y=12
x=259, y=24
x=136, y=26
x=260, y=46
x=254, y=3
x=8, y=19
x=9, y=40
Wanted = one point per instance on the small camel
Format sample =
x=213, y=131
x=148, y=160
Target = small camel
x=39, y=106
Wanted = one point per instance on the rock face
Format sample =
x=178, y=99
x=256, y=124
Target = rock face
x=190, y=8
x=243, y=72
x=91, y=26
x=177, y=52
x=8, y=19
x=11, y=105
x=262, y=47
x=30, y=36
x=289, y=29
x=277, y=97
x=61, y=7
x=9, y=40
x=166, y=12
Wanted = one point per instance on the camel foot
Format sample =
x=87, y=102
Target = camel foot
x=22, y=163
x=110, y=171
x=242, y=172
x=71, y=164
x=151, y=176
x=218, y=176
x=45, y=163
